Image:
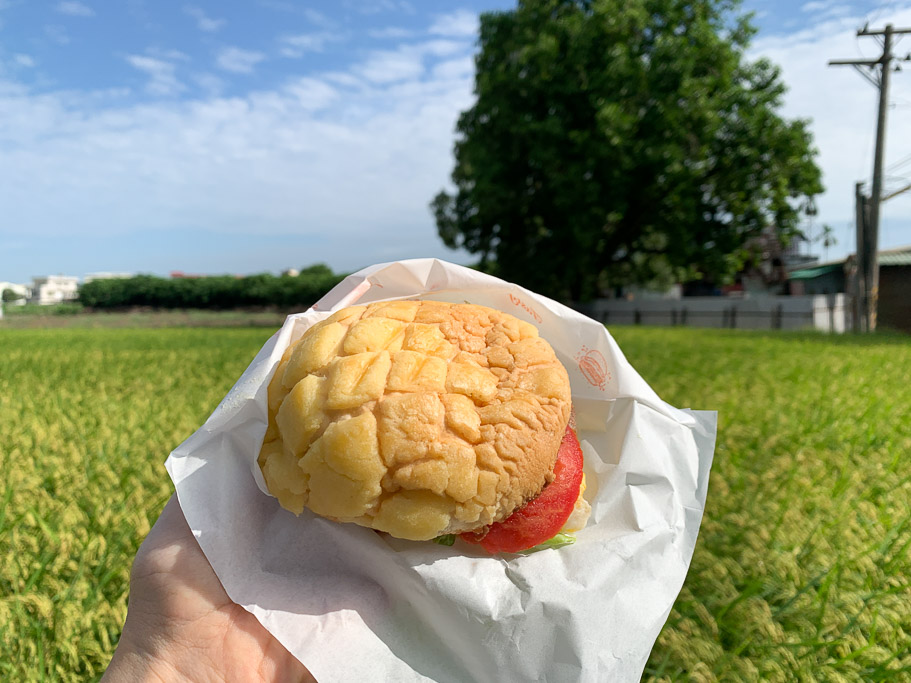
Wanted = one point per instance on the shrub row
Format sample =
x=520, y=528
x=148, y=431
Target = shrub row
x=219, y=292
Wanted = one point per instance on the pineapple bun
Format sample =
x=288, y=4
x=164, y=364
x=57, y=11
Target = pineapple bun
x=417, y=418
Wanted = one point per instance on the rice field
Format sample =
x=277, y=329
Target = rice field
x=87, y=418
x=801, y=570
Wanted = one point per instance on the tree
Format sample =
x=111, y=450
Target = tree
x=622, y=141
x=9, y=295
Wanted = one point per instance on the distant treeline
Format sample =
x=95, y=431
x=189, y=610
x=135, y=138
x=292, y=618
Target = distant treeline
x=220, y=292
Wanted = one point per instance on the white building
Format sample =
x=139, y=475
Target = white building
x=54, y=289
x=24, y=292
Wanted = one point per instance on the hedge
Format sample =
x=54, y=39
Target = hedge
x=217, y=292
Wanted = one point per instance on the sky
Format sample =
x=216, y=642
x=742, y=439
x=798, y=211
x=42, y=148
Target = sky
x=241, y=137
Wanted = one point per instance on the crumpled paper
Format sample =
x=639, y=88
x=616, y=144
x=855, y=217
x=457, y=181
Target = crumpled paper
x=355, y=605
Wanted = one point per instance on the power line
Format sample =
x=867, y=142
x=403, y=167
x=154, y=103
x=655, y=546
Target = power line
x=901, y=162
x=868, y=210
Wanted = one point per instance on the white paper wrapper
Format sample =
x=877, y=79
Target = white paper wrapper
x=354, y=605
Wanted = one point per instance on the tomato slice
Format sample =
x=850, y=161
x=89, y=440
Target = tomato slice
x=541, y=518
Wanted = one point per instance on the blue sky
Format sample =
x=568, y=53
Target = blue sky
x=244, y=137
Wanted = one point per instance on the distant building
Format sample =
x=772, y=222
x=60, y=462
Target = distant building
x=828, y=277
x=54, y=289
x=24, y=292
x=105, y=276
x=894, y=305
x=797, y=254
x=819, y=295
x=766, y=272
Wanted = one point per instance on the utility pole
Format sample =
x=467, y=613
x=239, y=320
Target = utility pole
x=856, y=284
x=868, y=233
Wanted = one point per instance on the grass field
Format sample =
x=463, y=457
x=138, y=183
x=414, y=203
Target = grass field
x=801, y=570
x=73, y=316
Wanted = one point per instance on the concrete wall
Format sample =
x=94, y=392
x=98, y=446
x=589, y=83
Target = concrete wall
x=830, y=312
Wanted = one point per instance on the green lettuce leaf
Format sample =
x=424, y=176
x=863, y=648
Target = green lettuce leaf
x=561, y=540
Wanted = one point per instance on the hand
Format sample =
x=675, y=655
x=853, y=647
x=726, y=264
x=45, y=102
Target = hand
x=181, y=625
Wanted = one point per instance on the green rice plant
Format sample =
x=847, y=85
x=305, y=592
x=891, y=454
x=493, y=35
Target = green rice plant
x=87, y=418
x=801, y=569
x=65, y=308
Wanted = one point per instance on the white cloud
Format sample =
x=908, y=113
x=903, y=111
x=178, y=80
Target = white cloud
x=826, y=9
x=312, y=94
x=343, y=78
x=57, y=34
x=462, y=67
x=23, y=60
x=816, y=5
x=75, y=9
x=203, y=21
x=296, y=46
x=239, y=61
x=390, y=32
x=389, y=66
x=168, y=54
x=162, y=79
x=313, y=16
x=406, y=61
x=317, y=18
x=458, y=24
x=210, y=84
x=842, y=106
x=350, y=162
x=439, y=48
x=379, y=6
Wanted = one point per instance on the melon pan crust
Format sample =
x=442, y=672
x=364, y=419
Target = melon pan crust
x=417, y=418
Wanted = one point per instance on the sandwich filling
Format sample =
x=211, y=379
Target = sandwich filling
x=559, y=509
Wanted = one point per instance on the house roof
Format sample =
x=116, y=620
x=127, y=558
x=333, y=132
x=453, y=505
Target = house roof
x=898, y=256
x=895, y=258
x=818, y=271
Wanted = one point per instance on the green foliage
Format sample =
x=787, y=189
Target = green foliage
x=10, y=295
x=317, y=270
x=220, y=292
x=801, y=571
x=87, y=418
x=622, y=141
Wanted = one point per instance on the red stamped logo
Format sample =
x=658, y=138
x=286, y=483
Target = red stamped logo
x=593, y=367
x=516, y=301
